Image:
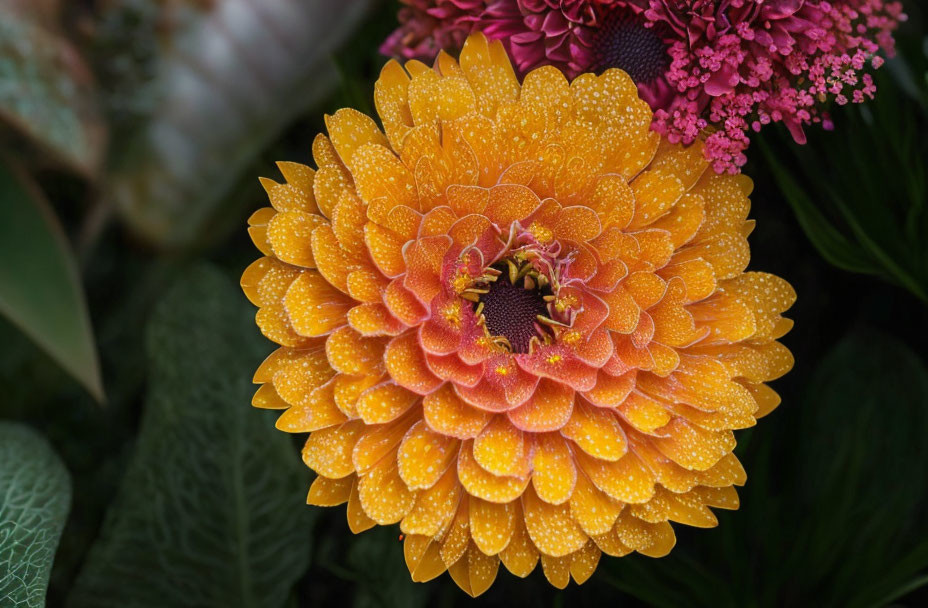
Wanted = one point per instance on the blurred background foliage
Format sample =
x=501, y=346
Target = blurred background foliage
x=131, y=136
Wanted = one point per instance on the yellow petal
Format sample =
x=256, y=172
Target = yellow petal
x=551, y=527
x=491, y=524
x=487, y=486
x=424, y=456
x=553, y=471
x=384, y=496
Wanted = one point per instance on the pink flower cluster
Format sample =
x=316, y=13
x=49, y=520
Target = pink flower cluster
x=716, y=69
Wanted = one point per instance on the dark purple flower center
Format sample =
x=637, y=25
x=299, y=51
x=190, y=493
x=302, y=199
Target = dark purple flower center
x=511, y=311
x=624, y=42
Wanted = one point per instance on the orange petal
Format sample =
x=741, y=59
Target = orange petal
x=457, y=538
x=405, y=362
x=358, y=520
x=379, y=173
x=520, y=556
x=655, y=194
x=349, y=130
x=613, y=200
x=553, y=473
x=331, y=260
x=486, y=67
x=435, y=507
x=549, y=409
x=597, y=431
x=482, y=484
x=374, y=320
x=380, y=442
x=301, y=375
x=509, y=203
x=392, y=102
x=692, y=447
x=644, y=413
x=267, y=398
x=556, y=569
x=327, y=492
x=501, y=449
x=626, y=480
x=366, y=285
x=297, y=195
x=328, y=451
x=491, y=524
x=290, y=236
x=403, y=304
x=317, y=412
x=451, y=368
x=266, y=280
x=257, y=229
x=611, y=391
x=384, y=496
x=385, y=248
x=384, y=403
x=583, y=563
x=551, y=527
x=593, y=510
x=314, y=307
x=654, y=540
x=447, y=414
x=423, y=557
x=424, y=456
x=424, y=263
x=474, y=572
x=348, y=389
x=351, y=353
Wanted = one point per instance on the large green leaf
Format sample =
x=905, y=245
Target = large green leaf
x=40, y=289
x=847, y=527
x=227, y=79
x=211, y=511
x=46, y=90
x=35, y=494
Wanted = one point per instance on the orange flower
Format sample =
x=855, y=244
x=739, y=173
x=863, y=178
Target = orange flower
x=514, y=321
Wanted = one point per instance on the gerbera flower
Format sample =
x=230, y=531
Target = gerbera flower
x=716, y=69
x=515, y=321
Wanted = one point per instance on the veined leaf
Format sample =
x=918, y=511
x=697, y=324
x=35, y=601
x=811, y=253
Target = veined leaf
x=46, y=90
x=229, y=77
x=40, y=289
x=35, y=495
x=211, y=511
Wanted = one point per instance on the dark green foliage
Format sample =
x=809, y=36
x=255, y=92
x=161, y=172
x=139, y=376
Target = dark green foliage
x=861, y=192
x=210, y=512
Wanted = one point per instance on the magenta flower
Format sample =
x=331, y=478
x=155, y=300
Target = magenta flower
x=711, y=69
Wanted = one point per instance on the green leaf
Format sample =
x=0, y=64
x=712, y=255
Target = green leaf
x=222, y=94
x=40, y=289
x=211, y=511
x=35, y=495
x=46, y=89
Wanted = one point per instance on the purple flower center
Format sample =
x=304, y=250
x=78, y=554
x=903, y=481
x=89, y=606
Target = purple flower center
x=511, y=311
x=624, y=42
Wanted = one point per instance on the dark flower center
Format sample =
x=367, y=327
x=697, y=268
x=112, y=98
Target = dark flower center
x=624, y=42
x=511, y=311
